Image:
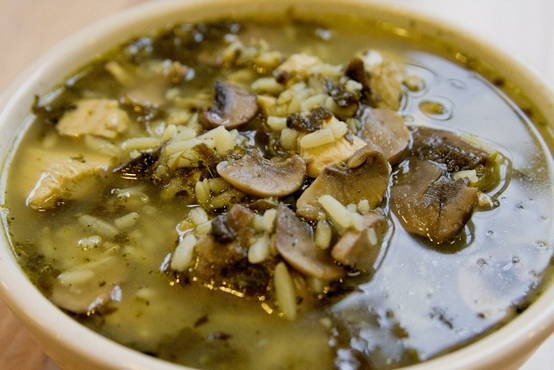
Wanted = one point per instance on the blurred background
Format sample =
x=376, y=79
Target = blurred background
x=29, y=27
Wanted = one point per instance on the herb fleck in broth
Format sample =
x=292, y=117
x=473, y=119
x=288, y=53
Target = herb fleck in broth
x=120, y=251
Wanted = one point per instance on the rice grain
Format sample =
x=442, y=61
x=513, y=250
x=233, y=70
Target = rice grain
x=198, y=216
x=259, y=250
x=101, y=227
x=182, y=256
x=127, y=221
x=284, y=291
x=323, y=234
x=338, y=213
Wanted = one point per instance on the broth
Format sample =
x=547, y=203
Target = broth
x=421, y=301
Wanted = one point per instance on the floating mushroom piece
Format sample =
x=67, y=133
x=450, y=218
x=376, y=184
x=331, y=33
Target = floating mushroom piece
x=386, y=129
x=294, y=242
x=262, y=177
x=361, y=249
x=87, y=287
x=429, y=203
x=366, y=176
x=233, y=106
x=447, y=147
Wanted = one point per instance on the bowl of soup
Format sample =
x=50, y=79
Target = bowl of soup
x=325, y=184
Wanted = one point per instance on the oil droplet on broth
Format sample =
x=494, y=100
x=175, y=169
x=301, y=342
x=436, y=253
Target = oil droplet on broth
x=414, y=83
x=418, y=80
x=438, y=108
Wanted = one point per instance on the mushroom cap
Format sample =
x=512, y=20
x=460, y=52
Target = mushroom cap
x=233, y=106
x=447, y=147
x=430, y=204
x=294, y=242
x=369, y=180
x=262, y=177
x=386, y=129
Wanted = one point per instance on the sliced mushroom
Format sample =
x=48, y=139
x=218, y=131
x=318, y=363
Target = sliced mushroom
x=430, y=204
x=258, y=176
x=366, y=177
x=446, y=147
x=294, y=242
x=386, y=129
x=233, y=106
x=360, y=249
x=87, y=287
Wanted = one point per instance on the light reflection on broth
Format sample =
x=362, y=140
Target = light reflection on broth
x=423, y=300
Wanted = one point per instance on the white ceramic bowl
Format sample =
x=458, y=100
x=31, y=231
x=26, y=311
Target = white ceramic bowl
x=74, y=346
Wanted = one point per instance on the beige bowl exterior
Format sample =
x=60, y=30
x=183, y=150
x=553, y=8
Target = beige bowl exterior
x=73, y=346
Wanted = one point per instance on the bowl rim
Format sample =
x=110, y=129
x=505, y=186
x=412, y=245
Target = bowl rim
x=17, y=291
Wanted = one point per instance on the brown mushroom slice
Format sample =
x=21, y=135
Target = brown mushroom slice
x=360, y=249
x=294, y=242
x=233, y=106
x=262, y=177
x=386, y=129
x=430, y=204
x=446, y=147
x=87, y=287
x=369, y=180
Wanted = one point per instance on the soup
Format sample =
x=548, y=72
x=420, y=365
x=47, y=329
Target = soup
x=283, y=195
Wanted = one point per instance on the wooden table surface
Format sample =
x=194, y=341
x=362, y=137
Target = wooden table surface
x=30, y=27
